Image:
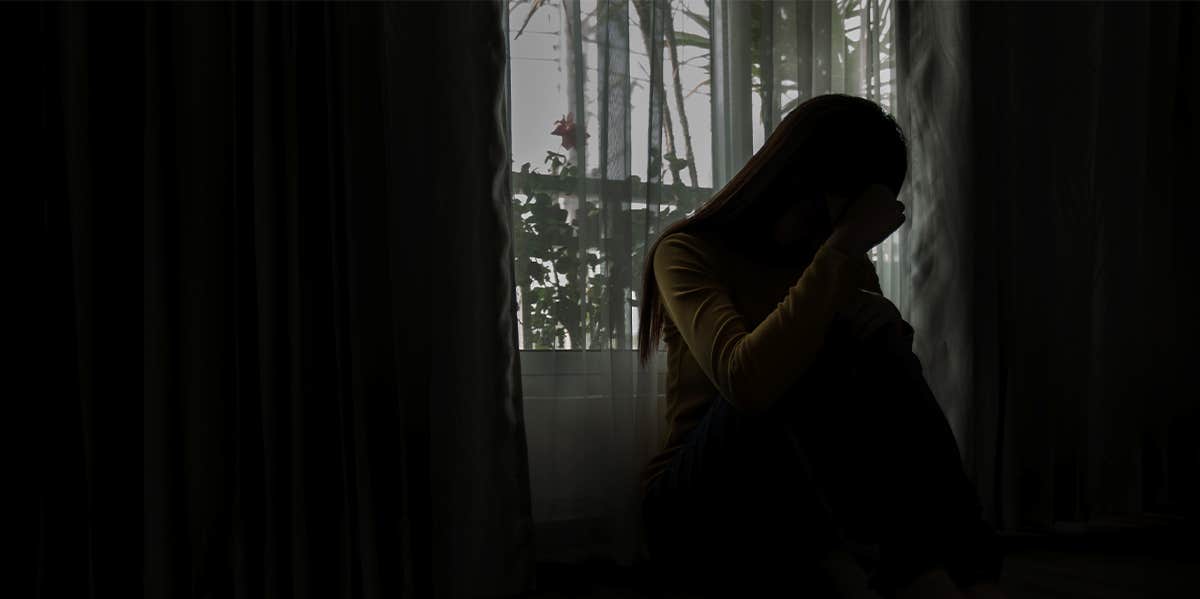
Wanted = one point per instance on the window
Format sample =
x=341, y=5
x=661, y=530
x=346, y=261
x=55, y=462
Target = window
x=627, y=88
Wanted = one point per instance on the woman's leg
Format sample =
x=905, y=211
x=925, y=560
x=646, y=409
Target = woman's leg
x=968, y=545
x=734, y=513
x=886, y=459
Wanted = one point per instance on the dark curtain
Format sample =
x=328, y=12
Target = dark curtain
x=331, y=401
x=1055, y=265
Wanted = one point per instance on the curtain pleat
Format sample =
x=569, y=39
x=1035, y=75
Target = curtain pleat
x=331, y=394
x=1050, y=274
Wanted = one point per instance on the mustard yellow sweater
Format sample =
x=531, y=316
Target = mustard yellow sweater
x=740, y=327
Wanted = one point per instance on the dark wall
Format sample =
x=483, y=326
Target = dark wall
x=1083, y=194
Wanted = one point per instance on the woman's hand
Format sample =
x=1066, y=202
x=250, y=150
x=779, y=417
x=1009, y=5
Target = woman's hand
x=868, y=220
x=868, y=312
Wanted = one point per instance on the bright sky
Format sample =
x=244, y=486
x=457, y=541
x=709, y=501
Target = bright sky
x=539, y=84
x=539, y=89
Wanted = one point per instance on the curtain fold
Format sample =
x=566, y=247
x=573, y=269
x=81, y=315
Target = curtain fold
x=1092, y=276
x=331, y=401
x=705, y=82
x=1052, y=276
x=934, y=110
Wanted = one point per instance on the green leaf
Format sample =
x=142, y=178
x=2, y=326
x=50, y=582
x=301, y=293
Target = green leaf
x=683, y=38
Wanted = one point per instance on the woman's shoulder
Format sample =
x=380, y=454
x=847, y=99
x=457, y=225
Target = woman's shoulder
x=696, y=251
x=693, y=241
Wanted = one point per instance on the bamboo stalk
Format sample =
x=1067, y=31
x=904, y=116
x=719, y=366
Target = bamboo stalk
x=683, y=121
x=643, y=10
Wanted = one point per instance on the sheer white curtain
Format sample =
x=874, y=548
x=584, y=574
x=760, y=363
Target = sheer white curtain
x=661, y=101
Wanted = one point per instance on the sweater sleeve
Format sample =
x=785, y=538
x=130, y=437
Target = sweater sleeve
x=870, y=275
x=869, y=281
x=750, y=368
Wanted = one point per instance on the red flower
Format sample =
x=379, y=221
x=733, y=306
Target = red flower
x=565, y=128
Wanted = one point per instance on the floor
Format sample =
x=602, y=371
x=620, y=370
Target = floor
x=1036, y=567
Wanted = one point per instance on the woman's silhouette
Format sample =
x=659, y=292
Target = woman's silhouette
x=803, y=438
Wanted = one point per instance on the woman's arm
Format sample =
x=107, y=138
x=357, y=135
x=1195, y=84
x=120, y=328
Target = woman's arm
x=861, y=311
x=870, y=275
x=750, y=368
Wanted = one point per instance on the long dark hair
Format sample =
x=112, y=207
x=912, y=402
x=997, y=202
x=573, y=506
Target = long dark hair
x=833, y=143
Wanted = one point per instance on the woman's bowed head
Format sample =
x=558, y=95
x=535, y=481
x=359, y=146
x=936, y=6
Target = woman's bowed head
x=829, y=174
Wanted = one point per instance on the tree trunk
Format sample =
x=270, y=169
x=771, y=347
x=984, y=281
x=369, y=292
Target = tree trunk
x=683, y=122
x=643, y=11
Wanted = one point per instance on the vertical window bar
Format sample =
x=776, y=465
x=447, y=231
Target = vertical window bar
x=731, y=108
x=804, y=29
x=659, y=16
x=615, y=159
x=766, y=70
x=822, y=19
x=577, y=69
x=717, y=18
x=871, y=31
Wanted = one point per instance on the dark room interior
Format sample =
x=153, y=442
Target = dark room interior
x=400, y=337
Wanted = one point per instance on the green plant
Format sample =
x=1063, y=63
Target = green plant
x=562, y=284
